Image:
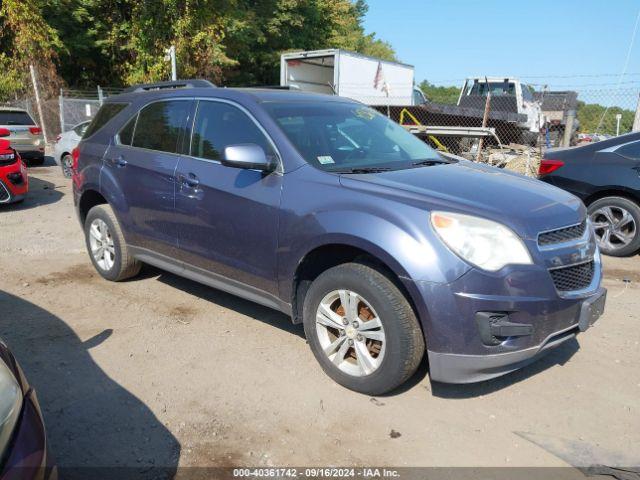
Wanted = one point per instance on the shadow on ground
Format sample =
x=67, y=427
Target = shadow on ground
x=91, y=420
x=266, y=315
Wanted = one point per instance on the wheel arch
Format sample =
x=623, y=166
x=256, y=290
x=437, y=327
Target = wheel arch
x=612, y=192
x=89, y=199
x=327, y=255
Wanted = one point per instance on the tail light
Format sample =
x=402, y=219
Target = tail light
x=35, y=130
x=548, y=166
x=75, y=155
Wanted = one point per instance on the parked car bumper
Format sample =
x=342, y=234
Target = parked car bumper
x=14, y=182
x=29, y=153
x=461, y=316
x=27, y=456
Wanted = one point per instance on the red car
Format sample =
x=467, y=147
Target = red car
x=14, y=182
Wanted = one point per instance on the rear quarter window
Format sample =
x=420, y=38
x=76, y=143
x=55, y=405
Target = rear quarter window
x=15, y=117
x=106, y=113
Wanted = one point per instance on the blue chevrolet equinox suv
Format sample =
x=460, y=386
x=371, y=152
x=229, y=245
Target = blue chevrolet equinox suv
x=324, y=209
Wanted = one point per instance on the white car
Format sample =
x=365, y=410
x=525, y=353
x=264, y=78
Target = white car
x=65, y=143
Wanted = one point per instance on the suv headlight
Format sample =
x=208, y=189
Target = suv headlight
x=486, y=244
x=10, y=405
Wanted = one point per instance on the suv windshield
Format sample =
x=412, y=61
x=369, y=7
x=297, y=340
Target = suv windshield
x=345, y=137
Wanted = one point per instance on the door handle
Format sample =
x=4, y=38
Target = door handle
x=190, y=180
x=119, y=161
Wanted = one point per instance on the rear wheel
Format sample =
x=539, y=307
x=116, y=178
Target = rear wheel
x=36, y=161
x=361, y=329
x=106, y=245
x=616, y=222
x=66, y=162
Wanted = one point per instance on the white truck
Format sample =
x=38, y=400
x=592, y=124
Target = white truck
x=369, y=80
x=509, y=95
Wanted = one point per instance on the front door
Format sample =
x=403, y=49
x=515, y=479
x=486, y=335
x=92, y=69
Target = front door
x=142, y=164
x=227, y=218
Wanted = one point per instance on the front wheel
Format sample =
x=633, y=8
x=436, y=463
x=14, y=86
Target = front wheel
x=361, y=329
x=616, y=222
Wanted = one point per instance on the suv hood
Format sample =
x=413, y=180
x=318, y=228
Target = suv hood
x=526, y=205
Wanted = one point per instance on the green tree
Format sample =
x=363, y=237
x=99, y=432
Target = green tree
x=590, y=116
x=26, y=39
x=448, y=95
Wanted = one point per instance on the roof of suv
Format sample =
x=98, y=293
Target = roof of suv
x=12, y=109
x=257, y=94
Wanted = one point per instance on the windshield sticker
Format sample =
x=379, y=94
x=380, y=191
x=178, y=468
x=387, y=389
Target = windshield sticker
x=325, y=159
x=365, y=113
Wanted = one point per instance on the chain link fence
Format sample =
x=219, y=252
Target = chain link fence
x=514, y=131
x=65, y=111
x=502, y=129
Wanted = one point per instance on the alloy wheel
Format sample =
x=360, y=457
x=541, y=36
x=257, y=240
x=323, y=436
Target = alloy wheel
x=614, y=227
x=350, y=332
x=101, y=243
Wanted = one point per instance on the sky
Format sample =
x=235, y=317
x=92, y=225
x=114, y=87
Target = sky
x=566, y=44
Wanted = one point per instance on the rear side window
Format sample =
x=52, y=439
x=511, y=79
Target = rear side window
x=106, y=113
x=161, y=126
x=125, y=136
x=219, y=125
x=15, y=117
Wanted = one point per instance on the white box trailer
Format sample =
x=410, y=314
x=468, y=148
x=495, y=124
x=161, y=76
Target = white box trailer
x=369, y=80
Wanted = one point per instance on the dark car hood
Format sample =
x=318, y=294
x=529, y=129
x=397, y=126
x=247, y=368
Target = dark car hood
x=527, y=205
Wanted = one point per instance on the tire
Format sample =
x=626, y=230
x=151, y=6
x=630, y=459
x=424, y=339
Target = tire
x=66, y=163
x=117, y=263
x=36, y=162
x=378, y=300
x=616, y=221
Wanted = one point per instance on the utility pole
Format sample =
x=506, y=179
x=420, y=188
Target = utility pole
x=636, y=119
x=485, y=119
x=568, y=128
x=170, y=55
x=38, y=103
x=61, y=107
x=618, y=118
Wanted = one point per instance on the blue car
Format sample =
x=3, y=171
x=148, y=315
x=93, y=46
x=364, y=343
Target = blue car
x=324, y=209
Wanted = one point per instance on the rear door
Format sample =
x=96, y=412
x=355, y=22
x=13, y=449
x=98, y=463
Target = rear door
x=142, y=163
x=227, y=218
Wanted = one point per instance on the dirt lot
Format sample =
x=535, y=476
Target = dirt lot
x=161, y=371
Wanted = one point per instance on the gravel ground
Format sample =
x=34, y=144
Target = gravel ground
x=161, y=371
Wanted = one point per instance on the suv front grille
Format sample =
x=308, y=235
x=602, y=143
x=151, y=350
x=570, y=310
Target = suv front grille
x=575, y=277
x=562, y=235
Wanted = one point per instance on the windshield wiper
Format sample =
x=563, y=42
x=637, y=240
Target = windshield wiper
x=366, y=170
x=429, y=162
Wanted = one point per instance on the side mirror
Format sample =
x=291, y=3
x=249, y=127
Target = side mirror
x=4, y=132
x=248, y=156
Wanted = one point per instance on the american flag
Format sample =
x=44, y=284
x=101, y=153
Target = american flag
x=379, y=82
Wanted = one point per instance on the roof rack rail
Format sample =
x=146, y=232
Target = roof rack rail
x=279, y=87
x=145, y=87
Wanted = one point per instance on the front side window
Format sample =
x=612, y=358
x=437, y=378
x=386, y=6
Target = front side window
x=347, y=136
x=107, y=112
x=219, y=125
x=161, y=126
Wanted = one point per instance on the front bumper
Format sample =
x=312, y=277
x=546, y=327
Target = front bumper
x=459, y=368
x=30, y=153
x=543, y=318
